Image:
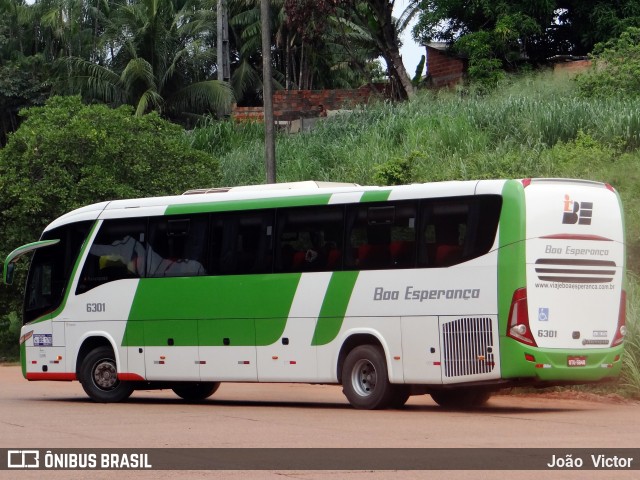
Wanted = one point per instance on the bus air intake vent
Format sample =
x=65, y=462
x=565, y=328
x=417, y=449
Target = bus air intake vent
x=575, y=270
x=468, y=347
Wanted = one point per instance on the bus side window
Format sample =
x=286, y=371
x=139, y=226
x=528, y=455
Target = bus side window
x=381, y=235
x=242, y=242
x=177, y=246
x=309, y=239
x=118, y=252
x=457, y=229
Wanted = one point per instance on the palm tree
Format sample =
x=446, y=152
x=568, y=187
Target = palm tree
x=373, y=23
x=159, y=55
x=308, y=50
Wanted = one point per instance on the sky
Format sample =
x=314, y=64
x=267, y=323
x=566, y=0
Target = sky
x=410, y=51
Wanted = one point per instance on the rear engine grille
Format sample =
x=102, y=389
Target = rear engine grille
x=575, y=270
x=468, y=347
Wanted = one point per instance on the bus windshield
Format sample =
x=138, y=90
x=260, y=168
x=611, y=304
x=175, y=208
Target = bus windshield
x=51, y=269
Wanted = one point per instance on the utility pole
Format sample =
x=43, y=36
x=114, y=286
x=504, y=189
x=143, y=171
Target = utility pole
x=222, y=46
x=224, y=74
x=267, y=94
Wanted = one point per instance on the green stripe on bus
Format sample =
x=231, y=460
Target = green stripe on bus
x=511, y=267
x=249, y=204
x=511, y=255
x=23, y=359
x=375, y=196
x=334, y=307
x=236, y=310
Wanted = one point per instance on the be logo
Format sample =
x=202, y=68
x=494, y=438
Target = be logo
x=577, y=212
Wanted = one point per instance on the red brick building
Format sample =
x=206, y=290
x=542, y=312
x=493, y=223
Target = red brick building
x=443, y=67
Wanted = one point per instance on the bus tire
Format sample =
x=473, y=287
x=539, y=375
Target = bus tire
x=365, y=378
x=196, y=392
x=461, y=398
x=99, y=377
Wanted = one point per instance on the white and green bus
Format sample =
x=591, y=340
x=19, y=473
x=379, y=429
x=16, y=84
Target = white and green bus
x=455, y=289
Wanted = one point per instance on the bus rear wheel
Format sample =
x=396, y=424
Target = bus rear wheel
x=99, y=377
x=461, y=398
x=195, y=392
x=365, y=379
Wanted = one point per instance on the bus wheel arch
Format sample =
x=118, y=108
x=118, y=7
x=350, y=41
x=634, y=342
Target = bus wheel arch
x=364, y=373
x=365, y=378
x=353, y=341
x=89, y=344
x=97, y=372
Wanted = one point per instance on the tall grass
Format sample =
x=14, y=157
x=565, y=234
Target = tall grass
x=630, y=378
x=448, y=134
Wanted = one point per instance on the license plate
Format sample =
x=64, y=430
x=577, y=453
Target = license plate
x=577, y=361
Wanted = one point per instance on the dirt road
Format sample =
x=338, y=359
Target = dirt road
x=59, y=415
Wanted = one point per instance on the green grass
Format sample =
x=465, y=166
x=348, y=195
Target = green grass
x=630, y=379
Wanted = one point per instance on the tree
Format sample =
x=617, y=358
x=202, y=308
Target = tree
x=308, y=50
x=24, y=71
x=616, y=69
x=66, y=154
x=375, y=17
x=162, y=58
x=531, y=30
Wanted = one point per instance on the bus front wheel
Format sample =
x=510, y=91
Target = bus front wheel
x=99, y=377
x=365, y=379
x=196, y=392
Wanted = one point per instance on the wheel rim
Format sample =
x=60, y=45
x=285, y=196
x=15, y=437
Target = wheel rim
x=105, y=374
x=364, y=378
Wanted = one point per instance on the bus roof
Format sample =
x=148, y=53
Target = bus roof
x=272, y=196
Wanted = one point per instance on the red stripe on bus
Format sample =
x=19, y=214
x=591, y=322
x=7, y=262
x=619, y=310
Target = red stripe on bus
x=570, y=236
x=62, y=377
x=130, y=377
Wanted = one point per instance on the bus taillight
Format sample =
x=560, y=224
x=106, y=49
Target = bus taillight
x=621, y=328
x=519, y=319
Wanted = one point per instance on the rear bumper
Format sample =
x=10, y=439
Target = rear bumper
x=552, y=365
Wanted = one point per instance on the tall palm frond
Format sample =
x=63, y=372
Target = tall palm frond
x=150, y=100
x=93, y=81
x=138, y=71
x=211, y=95
x=245, y=77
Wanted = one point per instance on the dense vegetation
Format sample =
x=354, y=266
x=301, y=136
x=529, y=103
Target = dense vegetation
x=162, y=55
x=66, y=155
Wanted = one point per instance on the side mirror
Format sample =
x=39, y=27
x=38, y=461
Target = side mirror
x=9, y=270
x=9, y=263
